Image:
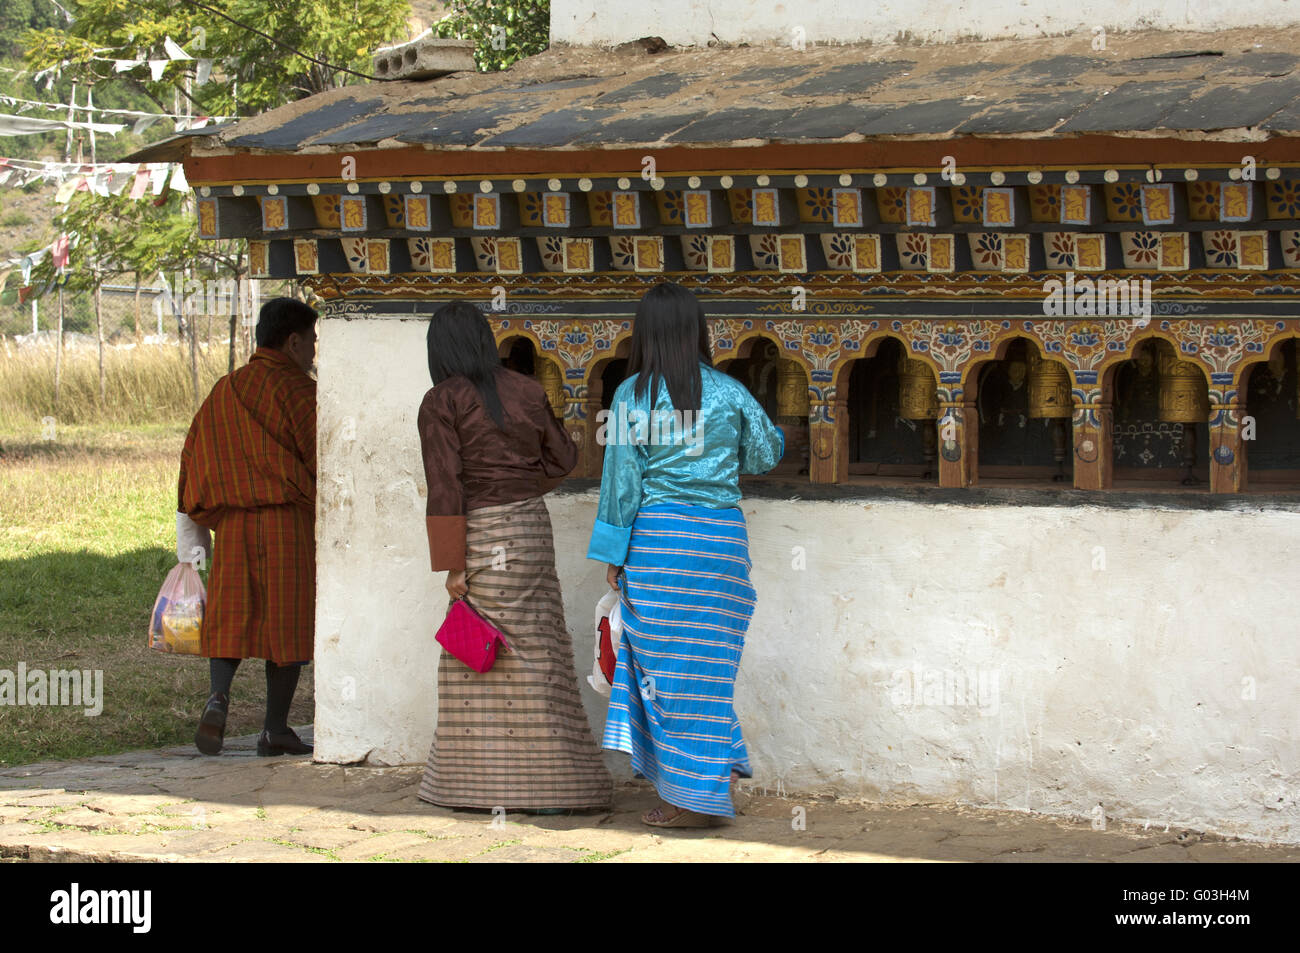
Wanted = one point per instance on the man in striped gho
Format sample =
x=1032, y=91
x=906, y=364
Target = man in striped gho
x=248, y=472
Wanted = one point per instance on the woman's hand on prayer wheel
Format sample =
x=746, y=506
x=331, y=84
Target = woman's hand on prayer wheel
x=456, y=585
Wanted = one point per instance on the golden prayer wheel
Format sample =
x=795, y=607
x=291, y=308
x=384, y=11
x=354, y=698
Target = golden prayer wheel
x=1049, y=388
x=1183, y=398
x=792, y=390
x=552, y=381
x=918, y=393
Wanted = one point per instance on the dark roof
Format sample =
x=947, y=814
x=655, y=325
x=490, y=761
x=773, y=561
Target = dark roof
x=1238, y=84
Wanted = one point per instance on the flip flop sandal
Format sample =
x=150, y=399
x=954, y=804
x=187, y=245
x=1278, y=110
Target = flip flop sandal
x=683, y=818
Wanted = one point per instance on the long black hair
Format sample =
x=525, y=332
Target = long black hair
x=461, y=345
x=669, y=339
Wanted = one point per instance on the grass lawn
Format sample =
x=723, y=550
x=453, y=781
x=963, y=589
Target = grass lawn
x=87, y=534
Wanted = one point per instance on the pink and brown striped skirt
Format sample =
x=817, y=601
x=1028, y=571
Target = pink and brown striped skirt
x=517, y=736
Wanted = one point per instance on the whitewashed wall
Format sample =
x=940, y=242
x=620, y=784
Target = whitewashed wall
x=695, y=22
x=1147, y=661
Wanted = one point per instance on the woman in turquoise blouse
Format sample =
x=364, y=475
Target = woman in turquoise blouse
x=677, y=438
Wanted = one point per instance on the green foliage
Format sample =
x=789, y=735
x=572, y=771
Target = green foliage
x=503, y=31
x=251, y=73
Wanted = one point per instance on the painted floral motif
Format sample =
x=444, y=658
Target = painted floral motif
x=742, y=206
x=838, y=249
x=891, y=203
x=766, y=251
x=1045, y=203
x=1221, y=248
x=530, y=209
x=1141, y=248
x=1291, y=249
x=816, y=205
x=1284, y=199
x=551, y=248
x=968, y=204
x=695, y=250
x=914, y=250
x=622, y=250
x=1059, y=247
x=395, y=211
x=354, y=249
x=672, y=207
x=600, y=208
x=1124, y=202
x=328, y=210
x=986, y=250
x=485, y=253
x=1203, y=201
x=462, y=210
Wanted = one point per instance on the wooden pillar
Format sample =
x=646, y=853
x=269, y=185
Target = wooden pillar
x=585, y=431
x=828, y=441
x=959, y=454
x=1094, y=457
x=1227, y=449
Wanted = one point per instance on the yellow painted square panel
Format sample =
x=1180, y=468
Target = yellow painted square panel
x=1090, y=252
x=866, y=251
x=698, y=214
x=509, y=260
x=1173, y=251
x=1015, y=253
x=577, y=254
x=1253, y=251
x=648, y=254
x=792, y=253
x=941, y=253
x=442, y=255
x=1076, y=204
x=721, y=257
x=487, y=211
x=766, y=209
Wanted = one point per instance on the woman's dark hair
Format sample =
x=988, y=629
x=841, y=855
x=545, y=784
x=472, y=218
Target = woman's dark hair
x=281, y=317
x=461, y=345
x=669, y=339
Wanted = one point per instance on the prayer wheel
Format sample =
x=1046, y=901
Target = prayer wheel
x=918, y=399
x=552, y=381
x=1049, y=388
x=1049, y=398
x=792, y=391
x=918, y=394
x=1182, y=398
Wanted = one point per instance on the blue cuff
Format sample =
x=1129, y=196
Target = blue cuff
x=609, y=543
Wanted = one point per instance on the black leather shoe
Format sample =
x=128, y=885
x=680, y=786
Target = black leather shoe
x=212, y=724
x=270, y=745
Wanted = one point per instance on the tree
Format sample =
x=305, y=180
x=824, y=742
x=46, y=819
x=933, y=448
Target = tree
x=503, y=31
x=263, y=59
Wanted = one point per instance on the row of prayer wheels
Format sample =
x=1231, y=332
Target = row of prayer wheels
x=1182, y=394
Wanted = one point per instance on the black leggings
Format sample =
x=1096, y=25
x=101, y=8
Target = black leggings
x=281, y=683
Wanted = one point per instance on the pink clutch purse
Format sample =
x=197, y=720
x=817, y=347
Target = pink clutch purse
x=470, y=637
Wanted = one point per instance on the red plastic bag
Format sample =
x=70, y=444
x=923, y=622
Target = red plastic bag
x=177, y=616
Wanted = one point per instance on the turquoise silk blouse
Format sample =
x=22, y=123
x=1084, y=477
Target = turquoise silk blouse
x=667, y=456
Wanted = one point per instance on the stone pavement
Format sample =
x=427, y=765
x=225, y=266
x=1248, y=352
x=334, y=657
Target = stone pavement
x=177, y=805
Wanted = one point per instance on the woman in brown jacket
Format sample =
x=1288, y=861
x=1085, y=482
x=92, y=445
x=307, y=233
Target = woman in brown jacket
x=515, y=737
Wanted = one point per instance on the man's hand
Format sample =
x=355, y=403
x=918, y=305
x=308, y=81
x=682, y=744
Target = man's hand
x=456, y=585
x=611, y=575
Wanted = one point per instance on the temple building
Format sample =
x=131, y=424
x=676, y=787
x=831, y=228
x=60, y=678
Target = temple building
x=1025, y=308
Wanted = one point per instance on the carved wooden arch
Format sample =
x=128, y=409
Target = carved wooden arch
x=1250, y=361
x=1113, y=359
x=743, y=346
x=998, y=352
x=842, y=367
x=620, y=348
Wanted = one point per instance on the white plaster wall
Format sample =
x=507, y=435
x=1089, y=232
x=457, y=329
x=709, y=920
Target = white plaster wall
x=1161, y=685
x=695, y=22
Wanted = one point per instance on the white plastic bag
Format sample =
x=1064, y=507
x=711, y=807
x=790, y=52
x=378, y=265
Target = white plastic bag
x=193, y=542
x=177, y=618
x=609, y=633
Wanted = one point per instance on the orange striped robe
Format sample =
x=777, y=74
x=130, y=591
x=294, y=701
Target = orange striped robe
x=248, y=472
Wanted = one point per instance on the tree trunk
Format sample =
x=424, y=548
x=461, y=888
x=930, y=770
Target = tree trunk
x=58, y=353
x=99, y=336
x=194, y=358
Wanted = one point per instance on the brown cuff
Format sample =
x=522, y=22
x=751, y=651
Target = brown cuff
x=446, y=542
x=547, y=484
